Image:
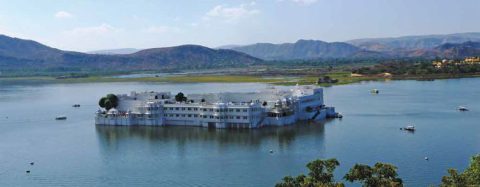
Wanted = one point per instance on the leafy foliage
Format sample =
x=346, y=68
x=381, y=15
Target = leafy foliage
x=101, y=102
x=180, y=97
x=470, y=177
x=108, y=102
x=381, y=174
x=420, y=68
x=320, y=174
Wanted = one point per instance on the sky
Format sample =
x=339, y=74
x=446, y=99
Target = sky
x=86, y=25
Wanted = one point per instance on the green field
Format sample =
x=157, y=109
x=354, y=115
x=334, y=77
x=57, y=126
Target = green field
x=343, y=77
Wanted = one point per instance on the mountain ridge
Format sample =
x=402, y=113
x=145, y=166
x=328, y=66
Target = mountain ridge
x=304, y=49
x=415, y=42
x=16, y=53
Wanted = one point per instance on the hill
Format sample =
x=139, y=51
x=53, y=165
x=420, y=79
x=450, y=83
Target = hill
x=305, y=49
x=407, y=43
x=193, y=56
x=19, y=54
x=27, y=49
x=449, y=50
x=121, y=51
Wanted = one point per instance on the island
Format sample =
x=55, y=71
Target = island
x=269, y=107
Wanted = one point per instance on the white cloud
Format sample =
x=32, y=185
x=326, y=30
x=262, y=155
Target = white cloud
x=194, y=24
x=302, y=2
x=95, y=30
x=231, y=13
x=63, y=15
x=161, y=29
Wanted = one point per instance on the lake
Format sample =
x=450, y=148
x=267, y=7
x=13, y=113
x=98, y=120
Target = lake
x=77, y=153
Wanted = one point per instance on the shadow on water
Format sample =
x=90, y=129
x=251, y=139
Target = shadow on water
x=113, y=135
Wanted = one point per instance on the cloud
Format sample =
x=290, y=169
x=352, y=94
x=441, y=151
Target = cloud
x=302, y=2
x=161, y=29
x=231, y=13
x=95, y=30
x=63, y=15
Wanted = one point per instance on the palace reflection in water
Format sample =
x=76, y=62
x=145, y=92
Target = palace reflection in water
x=112, y=137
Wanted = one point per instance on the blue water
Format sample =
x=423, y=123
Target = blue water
x=76, y=153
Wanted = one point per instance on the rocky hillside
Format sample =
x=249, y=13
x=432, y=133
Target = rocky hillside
x=448, y=50
x=305, y=49
x=17, y=53
x=407, y=43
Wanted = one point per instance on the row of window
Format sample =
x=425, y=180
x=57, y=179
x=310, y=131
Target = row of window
x=205, y=116
x=210, y=109
x=153, y=108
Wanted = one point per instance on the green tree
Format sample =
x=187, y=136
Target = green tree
x=113, y=99
x=381, y=174
x=470, y=177
x=108, y=102
x=454, y=179
x=320, y=175
x=180, y=97
x=101, y=102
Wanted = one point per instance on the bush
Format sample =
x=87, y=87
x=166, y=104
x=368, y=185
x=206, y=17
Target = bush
x=108, y=102
x=180, y=97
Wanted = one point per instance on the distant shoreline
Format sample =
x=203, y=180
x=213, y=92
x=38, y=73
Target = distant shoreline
x=342, y=77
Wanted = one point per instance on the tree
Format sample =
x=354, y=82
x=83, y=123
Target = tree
x=108, y=102
x=470, y=177
x=381, y=174
x=113, y=99
x=180, y=97
x=101, y=102
x=320, y=174
x=454, y=179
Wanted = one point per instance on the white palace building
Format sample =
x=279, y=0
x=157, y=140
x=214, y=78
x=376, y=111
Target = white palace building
x=271, y=107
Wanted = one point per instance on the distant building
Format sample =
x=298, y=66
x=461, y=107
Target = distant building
x=222, y=110
x=326, y=79
x=446, y=62
x=472, y=60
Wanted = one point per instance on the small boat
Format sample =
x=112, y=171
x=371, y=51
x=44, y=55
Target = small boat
x=375, y=91
x=462, y=108
x=338, y=115
x=410, y=128
x=61, y=118
x=76, y=105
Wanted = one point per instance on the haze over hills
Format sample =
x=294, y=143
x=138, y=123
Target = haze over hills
x=407, y=46
x=449, y=50
x=120, y=51
x=413, y=42
x=305, y=49
x=17, y=54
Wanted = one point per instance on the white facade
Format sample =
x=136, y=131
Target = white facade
x=223, y=110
